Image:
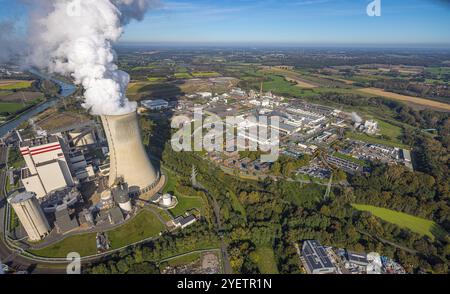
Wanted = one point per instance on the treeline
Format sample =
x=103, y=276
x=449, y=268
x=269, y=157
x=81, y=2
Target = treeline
x=144, y=259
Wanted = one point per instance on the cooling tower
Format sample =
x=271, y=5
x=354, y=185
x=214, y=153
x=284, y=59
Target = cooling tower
x=128, y=159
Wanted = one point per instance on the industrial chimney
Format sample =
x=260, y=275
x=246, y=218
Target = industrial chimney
x=128, y=158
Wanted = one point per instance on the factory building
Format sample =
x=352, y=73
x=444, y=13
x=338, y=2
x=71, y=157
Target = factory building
x=183, y=222
x=30, y=214
x=47, y=167
x=157, y=104
x=316, y=258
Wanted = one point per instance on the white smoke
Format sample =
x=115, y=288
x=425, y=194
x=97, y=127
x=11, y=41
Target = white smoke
x=356, y=118
x=76, y=36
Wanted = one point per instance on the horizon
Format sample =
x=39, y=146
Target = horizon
x=417, y=23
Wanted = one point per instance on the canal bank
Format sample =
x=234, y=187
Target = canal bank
x=66, y=90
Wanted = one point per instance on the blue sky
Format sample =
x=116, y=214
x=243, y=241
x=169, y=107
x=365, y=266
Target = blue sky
x=286, y=21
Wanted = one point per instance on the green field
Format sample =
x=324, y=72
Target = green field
x=438, y=70
x=143, y=226
x=6, y=107
x=165, y=215
x=264, y=257
x=184, y=259
x=416, y=224
x=85, y=245
x=138, y=68
x=206, y=74
x=182, y=75
x=4, y=93
x=185, y=203
x=157, y=79
x=17, y=86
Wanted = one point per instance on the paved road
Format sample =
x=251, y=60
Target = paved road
x=223, y=247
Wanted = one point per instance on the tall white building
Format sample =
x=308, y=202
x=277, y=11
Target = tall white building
x=30, y=214
x=47, y=168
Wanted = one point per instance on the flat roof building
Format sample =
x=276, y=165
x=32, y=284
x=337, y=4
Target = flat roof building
x=316, y=258
x=47, y=167
x=157, y=104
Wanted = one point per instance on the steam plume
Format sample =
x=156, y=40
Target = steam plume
x=356, y=118
x=76, y=36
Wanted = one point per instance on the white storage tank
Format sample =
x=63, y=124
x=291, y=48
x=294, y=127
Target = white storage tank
x=167, y=200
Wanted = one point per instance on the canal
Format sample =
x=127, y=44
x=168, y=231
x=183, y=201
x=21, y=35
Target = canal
x=65, y=91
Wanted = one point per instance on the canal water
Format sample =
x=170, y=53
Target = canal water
x=65, y=91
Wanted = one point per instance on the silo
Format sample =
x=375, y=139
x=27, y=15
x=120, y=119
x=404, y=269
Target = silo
x=30, y=214
x=128, y=157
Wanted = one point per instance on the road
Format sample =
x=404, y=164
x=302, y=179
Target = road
x=219, y=226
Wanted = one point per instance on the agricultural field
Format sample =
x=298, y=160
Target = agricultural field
x=206, y=74
x=83, y=244
x=15, y=84
x=294, y=77
x=152, y=90
x=182, y=75
x=414, y=100
x=142, y=226
x=20, y=97
x=10, y=108
x=157, y=79
x=416, y=224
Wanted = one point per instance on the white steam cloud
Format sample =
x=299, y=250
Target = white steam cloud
x=356, y=118
x=75, y=37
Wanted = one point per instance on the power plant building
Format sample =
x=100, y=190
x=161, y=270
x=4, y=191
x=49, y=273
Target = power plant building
x=30, y=214
x=128, y=157
x=47, y=167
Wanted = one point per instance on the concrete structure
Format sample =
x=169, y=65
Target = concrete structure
x=30, y=214
x=167, y=199
x=128, y=157
x=47, y=166
x=316, y=258
x=120, y=194
x=64, y=223
x=82, y=139
x=106, y=200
